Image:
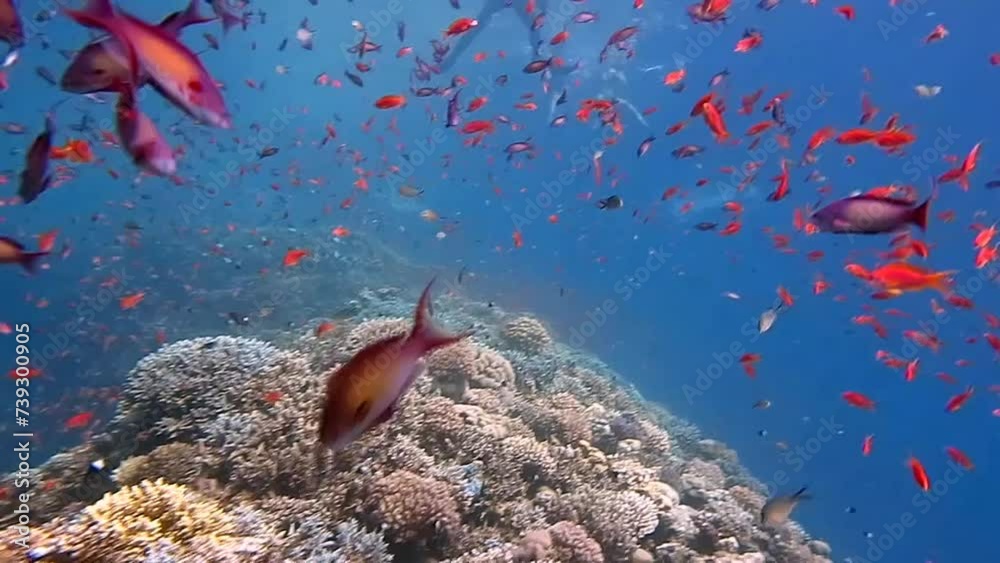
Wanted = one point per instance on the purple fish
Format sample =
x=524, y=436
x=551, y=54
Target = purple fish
x=644, y=146
x=534, y=67
x=559, y=121
x=585, y=17
x=454, y=118
x=870, y=215
x=519, y=147
x=401, y=31
x=687, y=151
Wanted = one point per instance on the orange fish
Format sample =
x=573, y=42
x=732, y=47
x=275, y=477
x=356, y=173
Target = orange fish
x=324, y=327
x=131, y=301
x=294, y=256
x=390, y=101
x=75, y=150
x=367, y=390
x=896, y=278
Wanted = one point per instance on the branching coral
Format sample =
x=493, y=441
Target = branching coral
x=173, y=392
x=415, y=509
x=548, y=456
x=157, y=517
x=618, y=520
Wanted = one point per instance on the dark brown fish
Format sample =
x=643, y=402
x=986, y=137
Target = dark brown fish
x=367, y=390
x=35, y=176
x=11, y=30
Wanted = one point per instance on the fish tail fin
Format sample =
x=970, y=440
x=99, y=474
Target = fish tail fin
x=801, y=494
x=101, y=14
x=425, y=331
x=942, y=281
x=29, y=261
x=921, y=214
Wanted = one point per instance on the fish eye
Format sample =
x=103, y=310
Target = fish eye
x=98, y=71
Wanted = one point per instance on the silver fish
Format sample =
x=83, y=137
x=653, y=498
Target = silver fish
x=766, y=320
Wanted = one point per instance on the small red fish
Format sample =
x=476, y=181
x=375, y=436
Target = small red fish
x=294, y=256
x=858, y=400
x=919, y=473
x=131, y=301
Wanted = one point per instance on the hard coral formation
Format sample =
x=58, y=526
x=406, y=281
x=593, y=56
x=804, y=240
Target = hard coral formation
x=520, y=450
x=527, y=334
x=155, y=518
x=415, y=509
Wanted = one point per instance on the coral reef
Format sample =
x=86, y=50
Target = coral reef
x=512, y=448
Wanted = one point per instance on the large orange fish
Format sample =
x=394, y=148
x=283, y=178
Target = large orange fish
x=896, y=278
x=99, y=65
x=175, y=70
x=367, y=390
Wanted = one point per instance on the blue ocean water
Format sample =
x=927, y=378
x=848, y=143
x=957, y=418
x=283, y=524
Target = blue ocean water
x=639, y=286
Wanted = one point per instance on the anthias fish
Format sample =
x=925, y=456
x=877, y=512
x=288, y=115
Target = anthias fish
x=367, y=390
x=172, y=67
x=142, y=140
x=99, y=65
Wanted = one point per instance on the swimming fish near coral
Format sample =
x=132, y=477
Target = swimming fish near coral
x=367, y=390
x=777, y=510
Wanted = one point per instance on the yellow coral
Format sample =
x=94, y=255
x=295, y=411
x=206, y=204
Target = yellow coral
x=170, y=519
x=527, y=334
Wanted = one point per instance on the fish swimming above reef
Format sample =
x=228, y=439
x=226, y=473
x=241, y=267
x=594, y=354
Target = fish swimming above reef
x=777, y=510
x=367, y=390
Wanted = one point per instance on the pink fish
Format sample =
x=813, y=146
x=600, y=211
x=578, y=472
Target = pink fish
x=141, y=139
x=174, y=69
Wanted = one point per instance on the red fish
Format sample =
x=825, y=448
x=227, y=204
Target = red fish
x=919, y=473
x=959, y=400
x=294, y=256
x=858, y=400
x=959, y=457
x=368, y=389
x=866, y=445
x=80, y=420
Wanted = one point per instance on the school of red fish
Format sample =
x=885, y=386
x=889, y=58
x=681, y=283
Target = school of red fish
x=135, y=53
